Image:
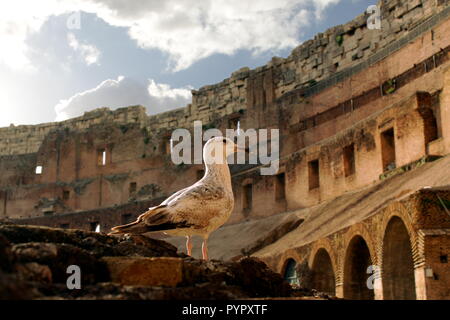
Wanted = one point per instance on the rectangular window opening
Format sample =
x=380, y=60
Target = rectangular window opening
x=101, y=157
x=132, y=188
x=234, y=123
x=388, y=149
x=313, y=174
x=280, y=185
x=66, y=195
x=247, y=197
x=264, y=98
x=39, y=170
x=349, y=160
x=166, y=146
x=431, y=128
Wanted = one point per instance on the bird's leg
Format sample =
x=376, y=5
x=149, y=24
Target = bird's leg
x=205, y=249
x=189, y=245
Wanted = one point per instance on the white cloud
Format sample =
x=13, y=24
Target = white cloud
x=191, y=30
x=19, y=19
x=187, y=30
x=88, y=52
x=122, y=92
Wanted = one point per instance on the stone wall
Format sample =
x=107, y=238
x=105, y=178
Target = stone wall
x=314, y=127
x=73, y=179
x=330, y=55
x=365, y=142
x=25, y=139
x=408, y=241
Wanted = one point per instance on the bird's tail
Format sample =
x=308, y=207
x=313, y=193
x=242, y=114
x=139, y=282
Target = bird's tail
x=139, y=226
x=136, y=227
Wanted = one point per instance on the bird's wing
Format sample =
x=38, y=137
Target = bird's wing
x=158, y=218
x=173, y=196
x=176, y=212
x=196, y=193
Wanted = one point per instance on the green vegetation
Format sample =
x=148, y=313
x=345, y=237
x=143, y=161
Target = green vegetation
x=340, y=39
x=390, y=86
x=312, y=83
x=124, y=128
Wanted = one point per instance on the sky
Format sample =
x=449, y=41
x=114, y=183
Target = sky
x=61, y=58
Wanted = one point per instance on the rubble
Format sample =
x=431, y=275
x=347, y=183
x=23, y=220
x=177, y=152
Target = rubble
x=34, y=263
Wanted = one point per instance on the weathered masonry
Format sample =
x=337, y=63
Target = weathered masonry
x=364, y=119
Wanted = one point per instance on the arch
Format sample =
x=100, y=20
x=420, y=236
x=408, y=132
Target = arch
x=290, y=272
x=357, y=261
x=400, y=211
x=327, y=245
x=398, y=265
x=284, y=258
x=323, y=278
x=361, y=230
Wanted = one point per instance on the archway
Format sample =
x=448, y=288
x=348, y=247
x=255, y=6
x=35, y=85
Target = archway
x=290, y=272
x=322, y=273
x=398, y=265
x=357, y=261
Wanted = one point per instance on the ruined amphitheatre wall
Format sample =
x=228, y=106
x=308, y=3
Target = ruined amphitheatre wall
x=328, y=56
x=316, y=123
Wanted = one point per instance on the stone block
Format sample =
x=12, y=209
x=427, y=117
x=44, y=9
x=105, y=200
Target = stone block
x=324, y=41
x=337, y=52
x=139, y=271
x=350, y=43
x=365, y=44
x=400, y=11
x=414, y=4
x=304, y=54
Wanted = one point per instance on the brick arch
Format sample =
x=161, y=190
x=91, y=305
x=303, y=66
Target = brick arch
x=358, y=254
x=397, y=257
x=325, y=244
x=400, y=211
x=322, y=263
x=359, y=229
x=289, y=254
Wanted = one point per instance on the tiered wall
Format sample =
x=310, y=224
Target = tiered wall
x=316, y=121
x=316, y=64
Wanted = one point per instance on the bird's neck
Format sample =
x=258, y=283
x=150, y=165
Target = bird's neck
x=218, y=172
x=216, y=167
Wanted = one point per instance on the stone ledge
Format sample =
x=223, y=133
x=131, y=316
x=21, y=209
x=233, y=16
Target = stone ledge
x=408, y=167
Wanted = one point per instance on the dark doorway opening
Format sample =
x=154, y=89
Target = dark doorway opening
x=398, y=265
x=357, y=262
x=322, y=273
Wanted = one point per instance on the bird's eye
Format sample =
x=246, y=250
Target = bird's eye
x=224, y=141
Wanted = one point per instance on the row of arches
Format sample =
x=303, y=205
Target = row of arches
x=397, y=267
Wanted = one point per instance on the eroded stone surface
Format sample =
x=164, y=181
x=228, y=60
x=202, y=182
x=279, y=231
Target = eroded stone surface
x=35, y=267
x=165, y=272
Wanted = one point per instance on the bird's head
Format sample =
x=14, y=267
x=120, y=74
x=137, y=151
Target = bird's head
x=218, y=149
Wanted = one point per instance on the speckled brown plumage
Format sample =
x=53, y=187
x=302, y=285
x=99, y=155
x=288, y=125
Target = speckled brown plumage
x=196, y=210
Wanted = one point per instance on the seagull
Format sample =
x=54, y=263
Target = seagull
x=196, y=210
